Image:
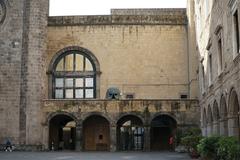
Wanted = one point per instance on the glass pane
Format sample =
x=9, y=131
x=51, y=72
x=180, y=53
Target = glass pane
x=69, y=93
x=89, y=82
x=58, y=93
x=79, y=93
x=89, y=93
x=60, y=66
x=59, y=82
x=69, y=82
x=69, y=62
x=79, y=82
x=88, y=66
x=79, y=62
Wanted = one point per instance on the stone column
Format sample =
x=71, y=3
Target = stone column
x=45, y=137
x=224, y=127
x=209, y=129
x=78, y=144
x=233, y=129
x=113, y=138
x=204, y=130
x=216, y=128
x=147, y=138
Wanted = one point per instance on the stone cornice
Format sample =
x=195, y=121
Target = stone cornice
x=118, y=20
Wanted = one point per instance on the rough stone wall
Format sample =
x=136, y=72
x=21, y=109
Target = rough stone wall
x=152, y=11
x=33, y=68
x=23, y=48
x=147, y=57
x=11, y=31
x=219, y=17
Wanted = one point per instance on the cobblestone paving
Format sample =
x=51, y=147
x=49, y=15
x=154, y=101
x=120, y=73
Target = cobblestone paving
x=93, y=156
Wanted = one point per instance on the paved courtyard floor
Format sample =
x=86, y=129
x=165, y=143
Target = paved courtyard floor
x=93, y=156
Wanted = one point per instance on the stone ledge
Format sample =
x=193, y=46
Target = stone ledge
x=149, y=11
x=118, y=20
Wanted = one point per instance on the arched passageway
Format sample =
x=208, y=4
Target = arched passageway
x=162, y=128
x=96, y=134
x=130, y=133
x=62, y=133
x=233, y=114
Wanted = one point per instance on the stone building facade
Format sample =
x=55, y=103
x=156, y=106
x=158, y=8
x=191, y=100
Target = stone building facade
x=125, y=81
x=217, y=28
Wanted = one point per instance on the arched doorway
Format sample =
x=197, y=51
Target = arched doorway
x=162, y=128
x=233, y=114
x=130, y=133
x=62, y=133
x=96, y=134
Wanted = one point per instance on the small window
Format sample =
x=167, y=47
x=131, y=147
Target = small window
x=100, y=137
x=183, y=96
x=130, y=96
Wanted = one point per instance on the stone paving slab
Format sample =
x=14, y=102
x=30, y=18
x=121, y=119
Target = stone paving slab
x=93, y=156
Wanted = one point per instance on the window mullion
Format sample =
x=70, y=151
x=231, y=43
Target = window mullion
x=64, y=87
x=84, y=96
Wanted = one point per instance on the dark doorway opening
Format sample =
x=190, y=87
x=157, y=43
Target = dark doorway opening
x=130, y=133
x=96, y=134
x=162, y=132
x=62, y=133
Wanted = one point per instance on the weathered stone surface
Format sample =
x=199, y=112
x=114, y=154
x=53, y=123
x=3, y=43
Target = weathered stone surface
x=218, y=90
x=146, y=53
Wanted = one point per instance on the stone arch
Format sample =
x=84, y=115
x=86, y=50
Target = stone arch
x=233, y=103
x=163, y=128
x=62, y=131
x=74, y=48
x=223, y=116
x=96, y=133
x=130, y=133
x=233, y=114
x=167, y=114
x=89, y=114
x=216, y=119
x=129, y=114
x=51, y=115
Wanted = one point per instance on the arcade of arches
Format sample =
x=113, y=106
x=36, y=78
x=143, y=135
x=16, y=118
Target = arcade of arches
x=97, y=133
x=222, y=118
x=128, y=125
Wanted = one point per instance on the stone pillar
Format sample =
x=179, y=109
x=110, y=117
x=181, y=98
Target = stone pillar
x=147, y=138
x=233, y=129
x=45, y=137
x=113, y=138
x=204, y=131
x=209, y=129
x=224, y=127
x=78, y=144
x=216, y=128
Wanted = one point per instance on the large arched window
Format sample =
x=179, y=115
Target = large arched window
x=74, y=75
